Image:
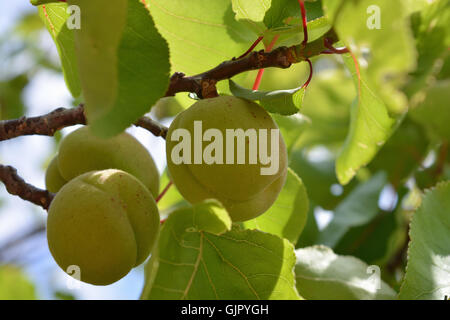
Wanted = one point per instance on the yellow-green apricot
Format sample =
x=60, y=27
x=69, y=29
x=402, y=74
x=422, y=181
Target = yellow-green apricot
x=53, y=179
x=81, y=151
x=241, y=188
x=105, y=223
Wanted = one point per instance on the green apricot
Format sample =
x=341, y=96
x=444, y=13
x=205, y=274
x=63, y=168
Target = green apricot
x=81, y=151
x=105, y=222
x=53, y=179
x=241, y=188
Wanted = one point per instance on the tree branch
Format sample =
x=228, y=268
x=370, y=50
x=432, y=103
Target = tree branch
x=204, y=83
x=48, y=124
x=45, y=125
x=15, y=185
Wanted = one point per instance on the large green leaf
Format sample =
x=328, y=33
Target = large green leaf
x=428, y=270
x=384, y=56
x=123, y=63
x=358, y=208
x=201, y=34
x=370, y=127
x=197, y=258
x=55, y=16
x=323, y=275
x=14, y=285
x=286, y=218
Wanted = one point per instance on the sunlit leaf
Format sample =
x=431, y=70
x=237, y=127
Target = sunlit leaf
x=55, y=16
x=197, y=258
x=323, y=275
x=428, y=269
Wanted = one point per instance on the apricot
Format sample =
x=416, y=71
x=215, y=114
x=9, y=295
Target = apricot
x=53, y=179
x=103, y=222
x=81, y=151
x=241, y=187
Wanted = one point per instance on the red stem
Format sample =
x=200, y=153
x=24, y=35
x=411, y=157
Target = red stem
x=305, y=22
x=164, y=191
x=251, y=47
x=261, y=71
x=332, y=49
x=306, y=84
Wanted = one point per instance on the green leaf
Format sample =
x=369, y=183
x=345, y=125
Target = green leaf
x=200, y=261
x=284, y=102
x=323, y=275
x=384, y=56
x=287, y=216
x=279, y=11
x=434, y=111
x=54, y=16
x=428, y=270
x=251, y=13
x=292, y=33
x=201, y=34
x=370, y=128
x=14, y=285
x=358, y=208
x=124, y=65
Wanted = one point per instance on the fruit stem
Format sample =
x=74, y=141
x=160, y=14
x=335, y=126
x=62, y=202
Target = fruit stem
x=164, y=191
x=305, y=85
x=261, y=71
x=251, y=47
x=304, y=21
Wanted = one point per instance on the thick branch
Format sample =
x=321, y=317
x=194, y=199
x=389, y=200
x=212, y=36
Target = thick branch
x=204, y=84
x=45, y=125
x=15, y=185
x=48, y=124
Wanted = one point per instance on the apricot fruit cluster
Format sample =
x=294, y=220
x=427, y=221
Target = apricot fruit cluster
x=103, y=219
x=243, y=190
x=104, y=223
